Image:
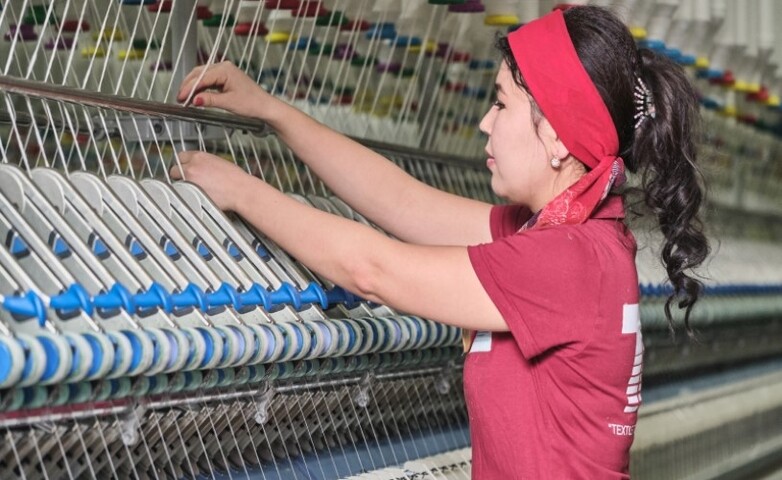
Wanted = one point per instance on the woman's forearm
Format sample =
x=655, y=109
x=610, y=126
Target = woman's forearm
x=376, y=187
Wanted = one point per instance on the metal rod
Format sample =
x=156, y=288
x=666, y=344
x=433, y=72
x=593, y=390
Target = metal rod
x=47, y=91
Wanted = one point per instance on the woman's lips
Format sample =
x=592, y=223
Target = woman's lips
x=490, y=162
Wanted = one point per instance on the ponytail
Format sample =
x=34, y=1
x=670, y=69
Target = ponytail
x=662, y=148
x=665, y=150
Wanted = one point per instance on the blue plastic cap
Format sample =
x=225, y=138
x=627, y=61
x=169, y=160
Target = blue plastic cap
x=286, y=295
x=169, y=248
x=155, y=296
x=314, y=293
x=256, y=295
x=117, y=297
x=233, y=250
x=98, y=247
x=75, y=297
x=29, y=305
x=59, y=246
x=191, y=296
x=225, y=295
x=135, y=248
x=17, y=245
x=261, y=251
x=202, y=249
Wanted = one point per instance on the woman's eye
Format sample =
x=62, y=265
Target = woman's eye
x=498, y=104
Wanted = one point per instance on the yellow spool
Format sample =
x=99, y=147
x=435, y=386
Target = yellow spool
x=501, y=20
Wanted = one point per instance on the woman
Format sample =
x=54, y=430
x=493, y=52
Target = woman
x=548, y=282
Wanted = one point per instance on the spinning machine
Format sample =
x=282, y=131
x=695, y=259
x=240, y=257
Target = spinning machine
x=145, y=334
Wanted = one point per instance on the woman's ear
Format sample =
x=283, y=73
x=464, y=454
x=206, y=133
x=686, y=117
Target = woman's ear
x=551, y=140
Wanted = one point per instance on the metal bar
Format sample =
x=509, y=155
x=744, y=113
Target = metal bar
x=46, y=91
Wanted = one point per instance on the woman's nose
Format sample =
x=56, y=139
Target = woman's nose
x=486, y=121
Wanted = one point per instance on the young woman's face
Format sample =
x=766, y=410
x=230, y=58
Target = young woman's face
x=517, y=158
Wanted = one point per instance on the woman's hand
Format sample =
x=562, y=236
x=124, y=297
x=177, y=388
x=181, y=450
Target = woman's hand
x=222, y=180
x=224, y=86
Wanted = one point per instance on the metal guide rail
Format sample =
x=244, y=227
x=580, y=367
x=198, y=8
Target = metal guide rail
x=146, y=334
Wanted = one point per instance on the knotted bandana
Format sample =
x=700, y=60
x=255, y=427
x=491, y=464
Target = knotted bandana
x=570, y=101
x=563, y=90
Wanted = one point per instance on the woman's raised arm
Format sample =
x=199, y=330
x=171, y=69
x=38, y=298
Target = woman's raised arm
x=367, y=181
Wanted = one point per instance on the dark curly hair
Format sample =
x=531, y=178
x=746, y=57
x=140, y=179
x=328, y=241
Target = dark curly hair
x=663, y=149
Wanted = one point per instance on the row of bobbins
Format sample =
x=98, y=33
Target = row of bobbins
x=45, y=358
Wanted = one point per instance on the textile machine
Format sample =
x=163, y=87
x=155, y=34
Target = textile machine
x=146, y=334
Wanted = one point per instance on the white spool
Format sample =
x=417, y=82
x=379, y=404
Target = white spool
x=64, y=355
x=123, y=354
x=82, y=355
x=197, y=348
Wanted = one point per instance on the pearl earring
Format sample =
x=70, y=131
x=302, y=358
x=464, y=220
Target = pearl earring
x=555, y=162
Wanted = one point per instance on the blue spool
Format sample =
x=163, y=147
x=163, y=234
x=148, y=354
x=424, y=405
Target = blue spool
x=328, y=339
x=241, y=344
x=97, y=354
x=209, y=347
x=404, y=41
x=174, y=344
x=6, y=360
x=226, y=344
x=137, y=348
x=299, y=339
x=155, y=347
x=398, y=331
x=52, y=357
x=382, y=31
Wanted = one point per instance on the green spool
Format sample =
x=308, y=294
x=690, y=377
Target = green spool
x=36, y=15
x=333, y=19
x=217, y=19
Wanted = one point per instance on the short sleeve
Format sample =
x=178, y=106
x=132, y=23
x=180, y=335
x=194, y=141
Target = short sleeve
x=546, y=285
x=506, y=220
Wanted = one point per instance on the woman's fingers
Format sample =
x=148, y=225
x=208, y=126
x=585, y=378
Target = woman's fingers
x=210, y=76
x=216, y=177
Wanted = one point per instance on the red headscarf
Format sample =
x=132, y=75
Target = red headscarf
x=571, y=103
